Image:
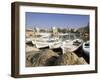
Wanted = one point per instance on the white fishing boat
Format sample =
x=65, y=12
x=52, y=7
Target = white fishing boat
x=71, y=45
x=29, y=39
x=47, y=42
x=86, y=47
x=40, y=43
x=70, y=42
x=54, y=43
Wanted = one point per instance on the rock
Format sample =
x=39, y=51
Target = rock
x=70, y=58
x=44, y=58
x=47, y=57
x=81, y=60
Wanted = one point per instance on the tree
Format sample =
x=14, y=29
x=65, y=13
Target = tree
x=64, y=30
x=72, y=30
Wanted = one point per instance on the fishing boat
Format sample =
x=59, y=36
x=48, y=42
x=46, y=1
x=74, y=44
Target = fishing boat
x=47, y=42
x=71, y=45
x=54, y=43
x=70, y=42
x=86, y=47
x=40, y=43
x=29, y=41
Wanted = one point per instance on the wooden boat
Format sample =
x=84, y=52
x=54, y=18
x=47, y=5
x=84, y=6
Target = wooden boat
x=71, y=45
x=86, y=47
x=43, y=42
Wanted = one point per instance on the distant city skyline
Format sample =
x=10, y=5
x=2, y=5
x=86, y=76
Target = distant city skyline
x=48, y=20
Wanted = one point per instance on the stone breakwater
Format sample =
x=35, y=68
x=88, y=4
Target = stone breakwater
x=48, y=57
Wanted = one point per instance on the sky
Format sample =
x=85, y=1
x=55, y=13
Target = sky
x=48, y=20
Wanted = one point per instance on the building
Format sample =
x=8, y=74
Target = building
x=55, y=31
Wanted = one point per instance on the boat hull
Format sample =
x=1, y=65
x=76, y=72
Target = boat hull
x=86, y=49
